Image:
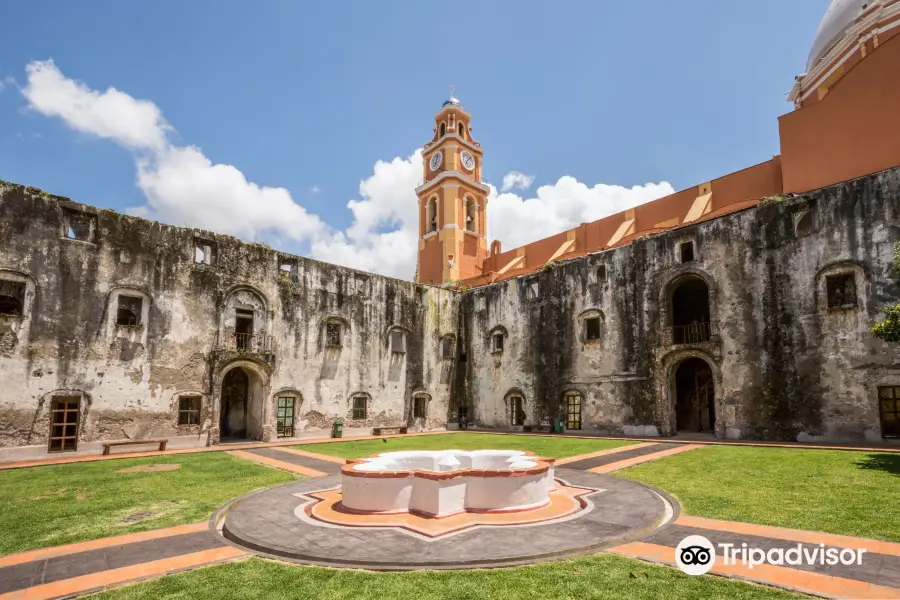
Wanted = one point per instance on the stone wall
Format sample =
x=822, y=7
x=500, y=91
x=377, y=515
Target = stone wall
x=783, y=365
x=130, y=377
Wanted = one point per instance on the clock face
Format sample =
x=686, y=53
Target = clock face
x=468, y=161
x=436, y=159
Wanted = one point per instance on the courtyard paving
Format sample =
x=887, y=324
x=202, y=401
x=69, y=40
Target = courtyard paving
x=76, y=569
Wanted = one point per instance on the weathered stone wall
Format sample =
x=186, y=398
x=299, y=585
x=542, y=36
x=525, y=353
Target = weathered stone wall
x=130, y=378
x=784, y=366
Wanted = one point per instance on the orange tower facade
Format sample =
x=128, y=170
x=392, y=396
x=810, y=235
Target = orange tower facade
x=452, y=201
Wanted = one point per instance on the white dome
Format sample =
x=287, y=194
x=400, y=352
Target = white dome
x=838, y=18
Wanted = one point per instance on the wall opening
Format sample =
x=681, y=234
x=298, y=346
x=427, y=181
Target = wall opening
x=695, y=408
x=889, y=410
x=573, y=410
x=690, y=311
x=235, y=404
x=431, y=216
x=516, y=410
x=443, y=129
x=189, y=409
x=64, y=415
x=12, y=297
x=79, y=226
x=686, y=251
x=204, y=252
x=243, y=328
x=129, y=311
x=284, y=417
x=841, y=291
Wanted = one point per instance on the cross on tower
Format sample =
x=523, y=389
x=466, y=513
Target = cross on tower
x=452, y=90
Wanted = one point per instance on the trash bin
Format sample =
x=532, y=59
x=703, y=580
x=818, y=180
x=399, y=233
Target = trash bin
x=557, y=425
x=337, y=429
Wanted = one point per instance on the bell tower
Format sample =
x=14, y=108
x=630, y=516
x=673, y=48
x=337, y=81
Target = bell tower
x=452, y=201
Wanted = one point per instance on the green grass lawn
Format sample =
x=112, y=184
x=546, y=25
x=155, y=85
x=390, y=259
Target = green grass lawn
x=849, y=493
x=48, y=506
x=552, y=447
x=591, y=578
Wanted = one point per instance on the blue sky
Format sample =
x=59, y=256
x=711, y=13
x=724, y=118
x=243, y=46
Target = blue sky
x=308, y=97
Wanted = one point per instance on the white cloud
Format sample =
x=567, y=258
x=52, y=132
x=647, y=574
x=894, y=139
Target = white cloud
x=112, y=115
x=315, y=189
x=184, y=187
x=516, y=180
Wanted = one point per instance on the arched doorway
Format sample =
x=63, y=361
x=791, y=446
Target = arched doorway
x=695, y=398
x=235, y=404
x=690, y=315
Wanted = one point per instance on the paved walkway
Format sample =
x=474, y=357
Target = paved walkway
x=76, y=569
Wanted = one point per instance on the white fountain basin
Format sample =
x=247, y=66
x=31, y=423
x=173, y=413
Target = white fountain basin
x=446, y=482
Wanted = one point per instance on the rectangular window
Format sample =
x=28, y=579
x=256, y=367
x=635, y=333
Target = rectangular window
x=204, y=252
x=360, y=409
x=398, y=341
x=79, y=226
x=601, y=273
x=286, y=269
x=285, y=416
x=687, y=252
x=189, y=410
x=333, y=334
x=129, y=311
x=447, y=348
x=243, y=329
x=419, y=405
x=889, y=409
x=497, y=342
x=533, y=290
x=517, y=414
x=12, y=297
x=64, y=413
x=841, y=290
x=592, y=328
x=573, y=410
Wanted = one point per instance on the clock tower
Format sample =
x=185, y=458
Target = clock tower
x=452, y=201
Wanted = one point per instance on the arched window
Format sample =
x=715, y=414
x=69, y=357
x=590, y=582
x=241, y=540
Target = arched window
x=471, y=215
x=690, y=314
x=12, y=297
x=431, y=216
x=460, y=129
x=443, y=129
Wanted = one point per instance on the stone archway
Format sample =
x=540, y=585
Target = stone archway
x=695, y=396
x=690, y=380
x=242, y=404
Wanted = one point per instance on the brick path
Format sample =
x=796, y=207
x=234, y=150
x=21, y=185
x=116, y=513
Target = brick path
x=76, y=569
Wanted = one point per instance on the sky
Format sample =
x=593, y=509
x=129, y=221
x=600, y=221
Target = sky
x=300, y=124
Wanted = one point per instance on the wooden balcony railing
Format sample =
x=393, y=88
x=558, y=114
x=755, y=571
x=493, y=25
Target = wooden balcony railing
x=694, y=333
x=247, y=342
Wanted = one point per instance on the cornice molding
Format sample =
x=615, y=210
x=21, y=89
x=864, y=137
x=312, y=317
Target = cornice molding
x=430, y=147
x=444, y=175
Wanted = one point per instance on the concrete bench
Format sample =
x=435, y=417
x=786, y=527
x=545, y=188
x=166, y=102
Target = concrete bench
x=108, y=445
x=388, y=430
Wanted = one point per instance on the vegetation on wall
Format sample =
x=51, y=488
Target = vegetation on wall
x=889, y=328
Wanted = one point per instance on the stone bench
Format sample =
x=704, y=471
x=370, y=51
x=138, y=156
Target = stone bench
x=108, y=445
x=388, y=430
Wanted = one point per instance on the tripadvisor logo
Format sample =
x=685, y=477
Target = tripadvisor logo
x=695, y=555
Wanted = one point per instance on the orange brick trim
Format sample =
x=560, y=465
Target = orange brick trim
x=793, y=535
x=571, y=459
x=630, y=462
x=97, y=581
x=543, y=465
x=278, y=464
x=802, y=581
x=118, y=540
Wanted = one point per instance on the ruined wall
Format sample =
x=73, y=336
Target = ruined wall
x=130, y=378
x=784, y=366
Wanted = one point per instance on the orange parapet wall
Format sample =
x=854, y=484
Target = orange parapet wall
x=715, y=198
x=852, y=131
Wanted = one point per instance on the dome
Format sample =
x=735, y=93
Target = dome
x=837, y=20
x=451, y=100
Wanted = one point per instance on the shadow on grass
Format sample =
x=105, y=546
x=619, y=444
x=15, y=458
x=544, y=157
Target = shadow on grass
x=890, y=463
